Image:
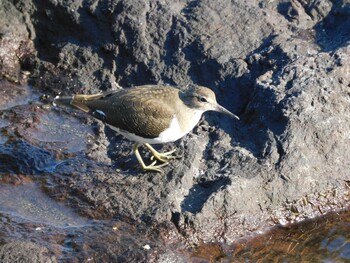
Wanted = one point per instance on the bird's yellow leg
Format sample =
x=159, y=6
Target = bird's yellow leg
x=152, y=167
x=162, y=157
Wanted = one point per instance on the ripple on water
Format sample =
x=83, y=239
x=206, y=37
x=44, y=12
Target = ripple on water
x=61, y=131
x=40, y=125
x=28, y=202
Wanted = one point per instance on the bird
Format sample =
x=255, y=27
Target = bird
x=148, y=114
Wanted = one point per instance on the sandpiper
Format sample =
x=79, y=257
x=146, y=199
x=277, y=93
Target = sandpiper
x=149, y=114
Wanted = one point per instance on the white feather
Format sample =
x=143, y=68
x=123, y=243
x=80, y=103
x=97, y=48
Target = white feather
x=171, y=134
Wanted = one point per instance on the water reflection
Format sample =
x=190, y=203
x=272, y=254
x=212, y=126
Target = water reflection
x=325, y=239
x=28, y=202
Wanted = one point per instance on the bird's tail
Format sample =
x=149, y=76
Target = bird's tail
x=62, y=100
x=81, y=101
x=71, y=101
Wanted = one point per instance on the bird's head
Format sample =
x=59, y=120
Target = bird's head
x=204, y=99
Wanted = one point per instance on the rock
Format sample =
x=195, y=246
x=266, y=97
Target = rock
x=279, y=65
x=24, y=251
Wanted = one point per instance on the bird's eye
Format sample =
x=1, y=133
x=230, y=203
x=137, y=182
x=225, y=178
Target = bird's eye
x=203, y=99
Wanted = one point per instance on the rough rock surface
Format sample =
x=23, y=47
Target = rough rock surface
x=26, y=252
x=282, y=66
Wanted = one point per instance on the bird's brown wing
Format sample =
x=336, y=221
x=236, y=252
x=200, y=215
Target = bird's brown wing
x=142, y=111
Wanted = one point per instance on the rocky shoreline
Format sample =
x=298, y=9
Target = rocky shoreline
x=282, y=66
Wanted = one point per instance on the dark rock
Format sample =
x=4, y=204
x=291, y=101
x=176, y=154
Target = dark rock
x=16, y=47
x=25, y=251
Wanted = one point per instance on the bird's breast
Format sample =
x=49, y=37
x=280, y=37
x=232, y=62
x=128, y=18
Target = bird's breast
x=179, y=126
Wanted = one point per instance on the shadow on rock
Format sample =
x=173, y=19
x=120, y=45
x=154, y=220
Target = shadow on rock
x=200, y=192
x=333, y=31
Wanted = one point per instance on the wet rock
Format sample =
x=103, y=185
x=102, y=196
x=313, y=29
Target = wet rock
x=13, y=95
x=24, y=251
x=21, y=158
x=98, y=241
x=16, y=47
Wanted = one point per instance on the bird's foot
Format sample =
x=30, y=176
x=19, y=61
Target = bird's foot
x=162, y=157
x=153, y=167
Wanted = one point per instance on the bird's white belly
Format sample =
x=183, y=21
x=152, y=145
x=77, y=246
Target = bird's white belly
x=171, y=134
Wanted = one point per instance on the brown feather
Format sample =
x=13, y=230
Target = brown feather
x=140, y=110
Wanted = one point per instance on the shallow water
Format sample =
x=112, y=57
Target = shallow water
x=60, y=131
x=324, y=239
x=28, y=202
